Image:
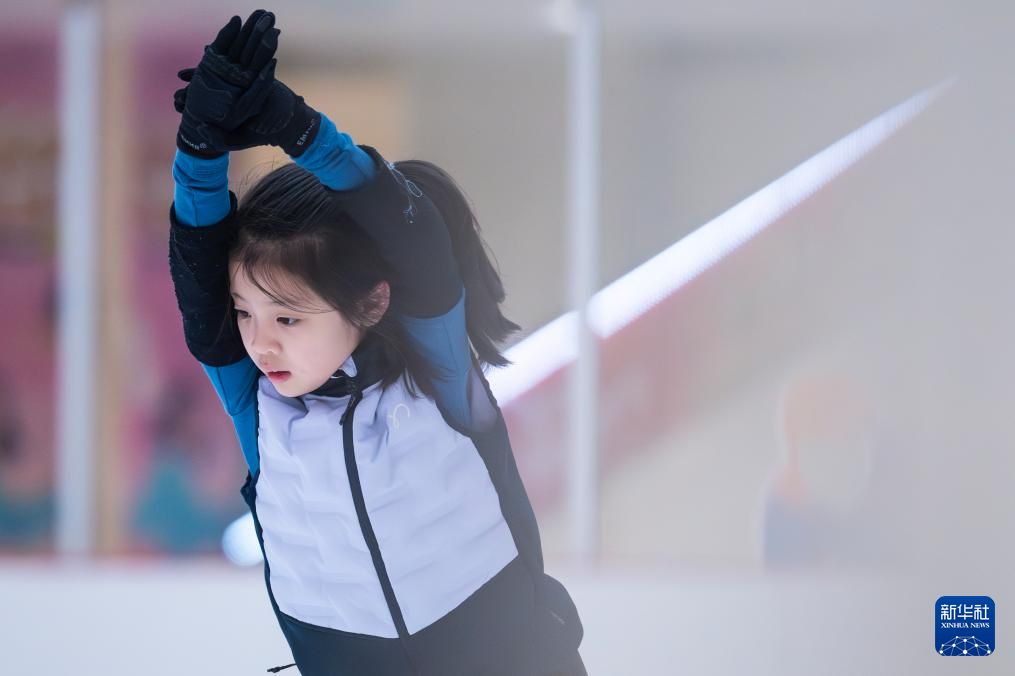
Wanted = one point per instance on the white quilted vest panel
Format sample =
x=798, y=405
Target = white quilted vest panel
x=428, y=495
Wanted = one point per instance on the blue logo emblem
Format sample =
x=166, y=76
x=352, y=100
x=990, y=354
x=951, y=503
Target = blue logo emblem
x=965, y=626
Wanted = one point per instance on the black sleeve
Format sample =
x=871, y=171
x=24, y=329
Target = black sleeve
x=200, y=272
x=412, y=237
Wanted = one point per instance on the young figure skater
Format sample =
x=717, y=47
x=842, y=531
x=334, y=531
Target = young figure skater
x=333, y=309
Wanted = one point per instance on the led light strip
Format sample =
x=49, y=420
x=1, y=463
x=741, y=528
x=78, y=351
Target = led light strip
x=635, y=293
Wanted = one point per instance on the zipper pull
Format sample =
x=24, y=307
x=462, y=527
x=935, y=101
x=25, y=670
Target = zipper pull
x=277, y=669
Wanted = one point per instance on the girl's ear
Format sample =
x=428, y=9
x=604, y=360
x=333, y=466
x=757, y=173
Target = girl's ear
x=376, y=304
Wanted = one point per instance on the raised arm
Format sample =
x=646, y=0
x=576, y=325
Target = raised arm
x=203, y=210
x=201, y=227
x=202, y=218
x=427, y=293
x=403, y=221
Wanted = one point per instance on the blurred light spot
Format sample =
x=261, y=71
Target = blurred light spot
x=561, y=16
x=239, y=542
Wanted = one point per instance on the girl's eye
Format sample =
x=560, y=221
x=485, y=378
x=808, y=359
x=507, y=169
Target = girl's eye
x=285, y=321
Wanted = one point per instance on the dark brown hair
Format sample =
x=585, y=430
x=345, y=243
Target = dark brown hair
x=289, y=228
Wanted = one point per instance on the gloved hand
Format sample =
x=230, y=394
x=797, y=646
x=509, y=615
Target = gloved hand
x=273, y=114
x=221, y=93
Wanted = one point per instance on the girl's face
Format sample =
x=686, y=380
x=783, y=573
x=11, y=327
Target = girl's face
x=307, y=347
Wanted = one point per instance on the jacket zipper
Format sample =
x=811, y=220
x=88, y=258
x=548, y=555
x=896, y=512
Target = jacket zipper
x=364, y=522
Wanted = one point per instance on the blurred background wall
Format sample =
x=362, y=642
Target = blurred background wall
x=801, y=447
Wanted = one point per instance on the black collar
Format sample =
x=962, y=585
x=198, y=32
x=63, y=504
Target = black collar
x=369, y=362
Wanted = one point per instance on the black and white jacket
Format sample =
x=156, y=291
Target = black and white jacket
x=397, y=534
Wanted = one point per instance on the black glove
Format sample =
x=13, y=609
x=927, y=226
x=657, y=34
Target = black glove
x=222, y=93
x=273, y=114
x=285, y=120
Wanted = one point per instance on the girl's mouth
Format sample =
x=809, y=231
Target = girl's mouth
x=278, y=376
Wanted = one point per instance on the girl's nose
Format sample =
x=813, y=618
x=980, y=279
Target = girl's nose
x=263, y=341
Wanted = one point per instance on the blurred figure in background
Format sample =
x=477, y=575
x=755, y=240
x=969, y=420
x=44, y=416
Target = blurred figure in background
x=174, y=511
x=27, y=495
x=819, y=508
x=26, y=505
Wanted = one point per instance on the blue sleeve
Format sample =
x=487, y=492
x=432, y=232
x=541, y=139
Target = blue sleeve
x=201, y=189
x=444, y=342
x=400, y=218
x=337, y=162
x=419, y=250
x=236, y=386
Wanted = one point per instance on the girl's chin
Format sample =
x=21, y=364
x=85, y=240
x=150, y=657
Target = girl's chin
x=286, y=386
